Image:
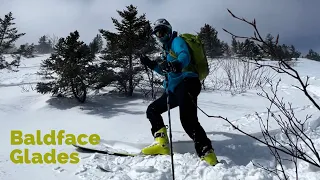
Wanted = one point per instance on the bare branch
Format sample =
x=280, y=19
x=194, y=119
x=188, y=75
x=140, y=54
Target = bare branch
x=283, y=66
x=296, y=141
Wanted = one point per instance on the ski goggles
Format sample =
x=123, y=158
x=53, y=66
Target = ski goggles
x=161, y=33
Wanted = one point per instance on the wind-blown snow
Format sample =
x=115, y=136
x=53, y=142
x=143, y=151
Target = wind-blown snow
x=121, y=122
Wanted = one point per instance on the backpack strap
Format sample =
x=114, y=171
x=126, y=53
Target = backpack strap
x=172, y=54
x=191, y=67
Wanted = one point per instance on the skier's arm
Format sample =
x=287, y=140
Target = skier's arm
x=158, y=68
x=180, y=49
x=182, y=56
x=153, y=65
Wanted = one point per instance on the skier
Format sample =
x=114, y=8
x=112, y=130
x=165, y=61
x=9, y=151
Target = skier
x=183, y=89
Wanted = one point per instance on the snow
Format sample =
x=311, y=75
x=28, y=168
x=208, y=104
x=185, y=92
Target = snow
x=121, y=123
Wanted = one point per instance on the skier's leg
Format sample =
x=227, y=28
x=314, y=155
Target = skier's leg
x=158, y=129
x=155, y=109
x=186, y=94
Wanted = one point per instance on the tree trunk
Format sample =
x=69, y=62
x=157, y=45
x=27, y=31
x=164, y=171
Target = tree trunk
x=130, y=91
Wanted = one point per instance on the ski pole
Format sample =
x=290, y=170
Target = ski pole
x=170, y=132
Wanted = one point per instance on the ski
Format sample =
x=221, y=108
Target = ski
x=113, y=152
x=105, y=151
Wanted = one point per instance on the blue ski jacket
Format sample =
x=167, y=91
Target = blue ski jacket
x=180, y=49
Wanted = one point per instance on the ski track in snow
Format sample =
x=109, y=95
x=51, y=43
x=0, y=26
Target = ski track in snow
x=122, y=123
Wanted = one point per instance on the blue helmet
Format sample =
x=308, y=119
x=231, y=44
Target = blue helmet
x=162, y=30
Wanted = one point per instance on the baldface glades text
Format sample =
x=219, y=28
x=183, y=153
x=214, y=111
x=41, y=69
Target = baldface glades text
x=24, y=156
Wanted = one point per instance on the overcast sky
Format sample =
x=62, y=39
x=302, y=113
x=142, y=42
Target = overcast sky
x=294, y=20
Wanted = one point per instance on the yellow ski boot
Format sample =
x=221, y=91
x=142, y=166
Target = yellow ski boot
x=160, y=144
x=210, y=157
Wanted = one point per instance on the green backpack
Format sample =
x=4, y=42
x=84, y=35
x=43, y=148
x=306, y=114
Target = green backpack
x=199, y=62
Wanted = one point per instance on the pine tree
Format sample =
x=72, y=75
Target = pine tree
x=26, y=50
x=8, y=36
x=240, y=48
x=70, y=69
x=269, y=43
x=245, y=50
x=123, y=47
x=212, y=43
x=44, y=45
x=313, y=55
x=249, y=49
x=280, y=51
x=226, y=49
x=294, y=53
x=97, y=44
x=234, y=46
x=286, y=52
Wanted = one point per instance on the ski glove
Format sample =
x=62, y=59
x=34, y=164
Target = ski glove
x=174, y=66
x=147, y=62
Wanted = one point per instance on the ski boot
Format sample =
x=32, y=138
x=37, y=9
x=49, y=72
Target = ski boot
x=160, y=144
x=210, y=157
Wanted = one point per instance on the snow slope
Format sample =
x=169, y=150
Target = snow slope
x=122, y=122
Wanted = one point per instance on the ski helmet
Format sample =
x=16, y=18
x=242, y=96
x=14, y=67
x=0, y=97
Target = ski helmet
x=162, y=30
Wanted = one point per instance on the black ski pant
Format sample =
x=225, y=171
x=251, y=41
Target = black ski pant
x=188, y=112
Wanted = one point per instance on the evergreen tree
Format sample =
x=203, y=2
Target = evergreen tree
x=8, y=36
x=97, y=44
x=313, y=55
x=212, y=44
x=240, y=48
x=226, y=49
x=294, y=53
x=123, y=47
x=44, y=45
x=245, y=49
x=286, y=52
x=269, y=43
x=150, y=47
x=283, y=51
x=26, y=50
x=249, y=49
x=70, y=69
x=234, y=46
